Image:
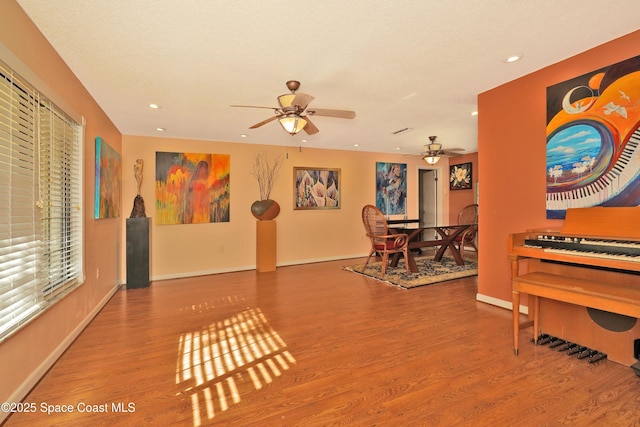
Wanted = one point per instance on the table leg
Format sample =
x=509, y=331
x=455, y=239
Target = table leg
x=456, y=253
x=413, y=267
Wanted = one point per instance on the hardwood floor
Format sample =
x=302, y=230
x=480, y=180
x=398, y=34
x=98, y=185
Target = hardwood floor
x=314, y=345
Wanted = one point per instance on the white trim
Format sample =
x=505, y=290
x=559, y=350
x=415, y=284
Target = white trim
x=250, y=267
x=35, y=376
x=500, y=303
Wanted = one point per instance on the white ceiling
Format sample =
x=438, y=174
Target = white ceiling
x=398, y=64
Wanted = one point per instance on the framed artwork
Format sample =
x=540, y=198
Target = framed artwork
x=316, y=188
x=460, y=176
x=592, y=144
x=192, y=188
x=391, y=188
x=108, y=181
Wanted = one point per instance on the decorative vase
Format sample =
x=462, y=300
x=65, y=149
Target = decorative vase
x=265, y=209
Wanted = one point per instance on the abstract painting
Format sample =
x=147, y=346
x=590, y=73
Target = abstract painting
x=192, y=188
x=391, y=188
x=316, y=188
x=107, y=181
x=460, y=176
x=593, y=140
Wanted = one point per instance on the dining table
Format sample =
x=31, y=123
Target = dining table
x=443, y=237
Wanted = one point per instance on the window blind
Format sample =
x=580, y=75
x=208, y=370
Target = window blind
x=40, y=203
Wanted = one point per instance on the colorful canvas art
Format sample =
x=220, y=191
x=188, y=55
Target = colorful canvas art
x=192, y=188
x=391, y=188
x=316, y=188
x=107, y=181
x=593, y=140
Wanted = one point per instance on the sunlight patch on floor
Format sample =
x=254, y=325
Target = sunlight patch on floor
x=212, y=361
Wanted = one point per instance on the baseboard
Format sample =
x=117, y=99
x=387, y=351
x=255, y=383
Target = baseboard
x=201, y=273
x=24, y=389
x=250, y=267
x=500, y=303
x=325, y=259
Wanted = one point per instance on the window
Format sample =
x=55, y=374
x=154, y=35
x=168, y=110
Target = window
x=40, y=203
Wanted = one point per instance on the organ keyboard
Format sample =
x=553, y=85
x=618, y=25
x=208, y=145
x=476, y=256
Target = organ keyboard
x=593, y=261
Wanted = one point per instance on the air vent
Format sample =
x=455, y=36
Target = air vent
x=399, y=131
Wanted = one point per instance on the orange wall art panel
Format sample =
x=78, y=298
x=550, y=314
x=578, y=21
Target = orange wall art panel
x=593, y=139
x=192, y=188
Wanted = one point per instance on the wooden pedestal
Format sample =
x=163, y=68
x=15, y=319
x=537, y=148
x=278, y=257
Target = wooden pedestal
x=265, y=246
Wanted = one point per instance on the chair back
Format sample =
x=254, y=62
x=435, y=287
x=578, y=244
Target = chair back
x=374, y=221
x=468, y=215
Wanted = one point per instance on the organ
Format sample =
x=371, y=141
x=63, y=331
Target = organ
x=583, y=281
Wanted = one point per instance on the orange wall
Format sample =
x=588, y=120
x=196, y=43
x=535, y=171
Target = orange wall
x=302, y=235
x=458, y=199
x=511, y=147
x=27, y=354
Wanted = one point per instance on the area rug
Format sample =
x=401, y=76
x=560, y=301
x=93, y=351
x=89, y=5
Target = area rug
x=429, y=271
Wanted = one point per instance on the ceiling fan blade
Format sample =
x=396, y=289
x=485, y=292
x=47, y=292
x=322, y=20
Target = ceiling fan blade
x=302, y=100
x=341, y=114
x=254, y=106
x=264, y=122
x=310, y=128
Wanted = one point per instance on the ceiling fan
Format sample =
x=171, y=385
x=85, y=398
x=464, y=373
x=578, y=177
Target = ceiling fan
x=293, y=113
x=433, y=151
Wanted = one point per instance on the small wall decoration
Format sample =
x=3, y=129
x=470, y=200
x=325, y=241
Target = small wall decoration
x=316, y=188
x=391, y=188
x=107, y=181
x=593, y=139
x=192, y=188
x=460, y=176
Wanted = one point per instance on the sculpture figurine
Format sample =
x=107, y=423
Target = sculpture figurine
x=138, y=210
x=137, y=172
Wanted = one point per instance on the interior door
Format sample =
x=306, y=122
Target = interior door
x=428, y=197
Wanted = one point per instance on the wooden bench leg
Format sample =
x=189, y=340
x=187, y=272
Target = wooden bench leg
x=516, y=320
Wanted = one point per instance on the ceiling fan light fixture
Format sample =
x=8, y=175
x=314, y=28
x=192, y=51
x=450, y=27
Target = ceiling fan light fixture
x=292, y=123
x=431, y=160
x=286, y=100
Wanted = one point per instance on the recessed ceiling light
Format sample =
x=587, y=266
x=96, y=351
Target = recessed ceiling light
x=304, y=140
x=356, y=145
x=244, y=135
x=398, y=148
x=474, y=113
x=160, y=129
x=513, y=58
x=154, y=106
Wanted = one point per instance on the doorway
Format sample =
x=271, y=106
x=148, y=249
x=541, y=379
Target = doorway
x=429, y=209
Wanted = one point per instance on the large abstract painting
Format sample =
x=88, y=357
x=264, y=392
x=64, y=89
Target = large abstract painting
x=593, y=139
x=107, y=181
x=192, y=188
x=316, y=188
x=391, y=188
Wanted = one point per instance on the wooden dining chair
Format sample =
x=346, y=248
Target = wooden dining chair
x=382, y=242
x=468, y=215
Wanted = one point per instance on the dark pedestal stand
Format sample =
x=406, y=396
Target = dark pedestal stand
x=137, y=253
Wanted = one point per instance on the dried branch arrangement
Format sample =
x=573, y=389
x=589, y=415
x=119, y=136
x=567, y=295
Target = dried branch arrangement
x=266, y=173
